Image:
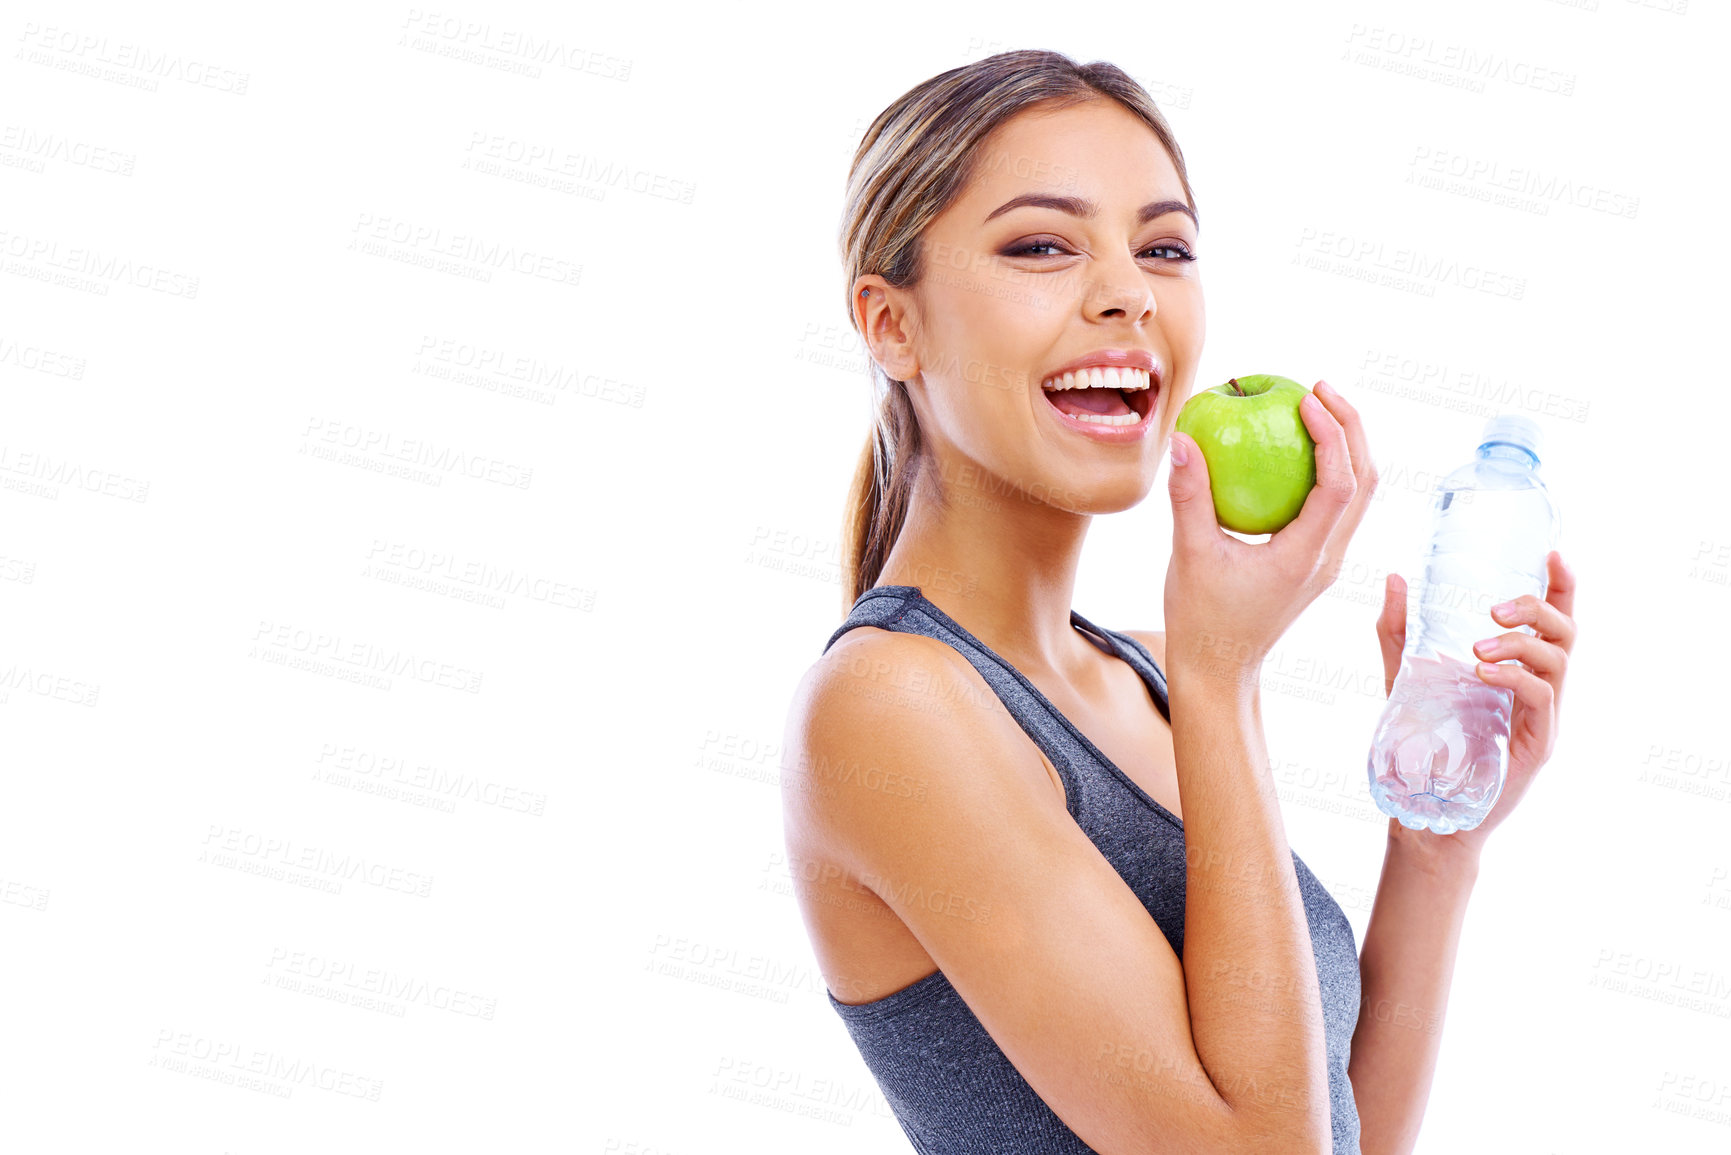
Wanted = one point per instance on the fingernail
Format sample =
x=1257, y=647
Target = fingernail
x=1325, y=387
x=1489, y=646
x=1314, y=405
x=1180, y=455
x=1504, y=609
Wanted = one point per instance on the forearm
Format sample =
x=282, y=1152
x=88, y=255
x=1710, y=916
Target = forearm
x=1405, y=968
x=1249, y=966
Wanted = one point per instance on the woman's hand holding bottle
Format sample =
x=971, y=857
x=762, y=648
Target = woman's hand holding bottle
x=1536, y=681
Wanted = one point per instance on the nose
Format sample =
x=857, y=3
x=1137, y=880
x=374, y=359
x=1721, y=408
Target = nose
x=1118, y=289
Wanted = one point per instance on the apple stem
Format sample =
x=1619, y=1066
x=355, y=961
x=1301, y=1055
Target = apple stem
x=1236, y=389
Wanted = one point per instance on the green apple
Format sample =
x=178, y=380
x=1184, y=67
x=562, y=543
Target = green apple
x=1261, y=459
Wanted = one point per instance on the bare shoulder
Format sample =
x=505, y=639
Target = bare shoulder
x=1156, y=643
x=876, y=694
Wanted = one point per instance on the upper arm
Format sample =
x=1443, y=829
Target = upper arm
x=1060, y=961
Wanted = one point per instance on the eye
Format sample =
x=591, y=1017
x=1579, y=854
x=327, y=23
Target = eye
x=1177, y=251
x=1027, y=250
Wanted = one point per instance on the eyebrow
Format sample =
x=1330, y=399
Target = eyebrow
x=1083, y=207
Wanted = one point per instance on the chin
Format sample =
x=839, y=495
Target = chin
x=1105, y=494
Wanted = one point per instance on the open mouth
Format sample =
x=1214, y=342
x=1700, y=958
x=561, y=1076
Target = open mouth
x=1100, y=395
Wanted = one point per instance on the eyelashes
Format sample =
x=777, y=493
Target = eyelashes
x=1182, y=250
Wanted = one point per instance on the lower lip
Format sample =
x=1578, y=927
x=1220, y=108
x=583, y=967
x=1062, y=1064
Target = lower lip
x=1110, y=434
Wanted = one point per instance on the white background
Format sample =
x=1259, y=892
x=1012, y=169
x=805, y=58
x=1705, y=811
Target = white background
x=267, y=441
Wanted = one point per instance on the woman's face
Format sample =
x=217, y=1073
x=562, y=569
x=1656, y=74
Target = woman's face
x=1009, y=296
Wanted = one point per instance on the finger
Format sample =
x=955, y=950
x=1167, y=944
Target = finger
x=1530, y=690
x=1363, y=468
x=1391, y=628
x=1544, y=617
x=1546, y=659
x=1357, y=444
x=1561, y=593
x=1335, y=485
x=1193, y=518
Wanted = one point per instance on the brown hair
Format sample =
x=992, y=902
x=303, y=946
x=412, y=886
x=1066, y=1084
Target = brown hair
x=913, y=162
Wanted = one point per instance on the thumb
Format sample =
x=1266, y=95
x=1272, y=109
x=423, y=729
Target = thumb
x=1193, y=517
x=1391, y=628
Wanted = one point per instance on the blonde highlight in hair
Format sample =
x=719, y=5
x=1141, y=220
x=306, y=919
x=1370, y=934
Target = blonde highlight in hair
x=913, y=163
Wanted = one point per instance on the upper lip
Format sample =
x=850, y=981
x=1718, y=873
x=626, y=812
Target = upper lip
x=1115, y=358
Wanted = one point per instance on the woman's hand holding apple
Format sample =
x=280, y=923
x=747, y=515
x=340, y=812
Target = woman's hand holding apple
x=1228, y=601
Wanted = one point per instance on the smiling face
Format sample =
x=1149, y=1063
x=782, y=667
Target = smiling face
x=1071, y=245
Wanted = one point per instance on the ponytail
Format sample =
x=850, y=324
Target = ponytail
x=883, y=481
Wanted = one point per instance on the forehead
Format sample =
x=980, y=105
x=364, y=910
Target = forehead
x=1098, y=150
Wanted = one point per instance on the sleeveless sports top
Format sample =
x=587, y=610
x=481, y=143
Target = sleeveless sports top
x=953, y=1090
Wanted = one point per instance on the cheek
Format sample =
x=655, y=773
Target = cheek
x=984, y=413
x=1184, y=325
x=980, y=366
x=1183, y=313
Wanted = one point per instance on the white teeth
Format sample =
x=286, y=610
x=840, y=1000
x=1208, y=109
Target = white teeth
x=1105, y=419
x=1100, y=377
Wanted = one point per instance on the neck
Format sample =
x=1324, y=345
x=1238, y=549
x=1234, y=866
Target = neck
x=999, y=563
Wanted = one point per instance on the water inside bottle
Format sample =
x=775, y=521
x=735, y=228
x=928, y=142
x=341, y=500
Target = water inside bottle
x=1441, y=747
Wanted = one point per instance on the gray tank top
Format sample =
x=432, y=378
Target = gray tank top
x=952, y=1089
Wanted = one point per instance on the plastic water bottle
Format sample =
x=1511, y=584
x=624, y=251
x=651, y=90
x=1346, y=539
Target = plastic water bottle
x=1441, y=750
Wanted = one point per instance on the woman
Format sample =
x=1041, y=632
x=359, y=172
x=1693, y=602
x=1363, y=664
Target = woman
x=1053, y=904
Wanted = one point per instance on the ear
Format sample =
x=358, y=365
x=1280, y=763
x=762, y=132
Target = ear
x=887, y=325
